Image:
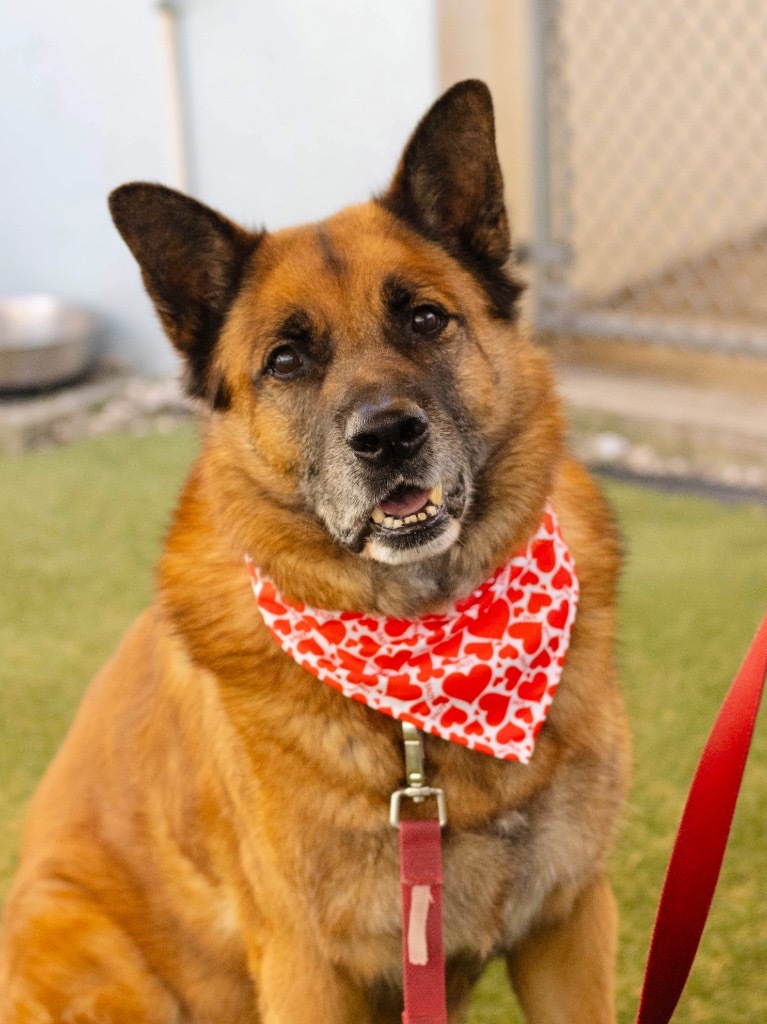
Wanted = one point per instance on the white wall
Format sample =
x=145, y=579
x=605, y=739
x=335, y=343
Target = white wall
x=490, y=39
x=295, y=108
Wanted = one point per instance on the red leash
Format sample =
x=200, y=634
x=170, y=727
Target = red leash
x=690, y=882
x=423, y=954
x=700, y=843
x=420, y=860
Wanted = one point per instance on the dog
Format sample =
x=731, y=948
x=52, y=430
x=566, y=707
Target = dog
x=212, y=840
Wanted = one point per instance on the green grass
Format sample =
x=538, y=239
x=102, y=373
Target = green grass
x=81, y=528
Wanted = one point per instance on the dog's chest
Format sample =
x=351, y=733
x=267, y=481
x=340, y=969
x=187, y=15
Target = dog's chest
x=499, y=874
x=516, y=833
x=353, y=894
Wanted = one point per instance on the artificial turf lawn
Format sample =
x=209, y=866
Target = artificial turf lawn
x=81, y=529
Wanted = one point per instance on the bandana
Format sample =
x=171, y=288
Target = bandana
x=483, y=674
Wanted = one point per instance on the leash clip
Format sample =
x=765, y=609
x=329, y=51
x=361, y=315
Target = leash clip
x=416, y=789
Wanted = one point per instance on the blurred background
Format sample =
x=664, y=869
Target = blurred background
x=633, y=139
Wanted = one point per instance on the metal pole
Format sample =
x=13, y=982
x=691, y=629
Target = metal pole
x=169, y=11
x=552, y=255
x=540, y=121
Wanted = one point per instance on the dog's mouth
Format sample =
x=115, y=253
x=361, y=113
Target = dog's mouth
x=411, y=522
x=408, y=508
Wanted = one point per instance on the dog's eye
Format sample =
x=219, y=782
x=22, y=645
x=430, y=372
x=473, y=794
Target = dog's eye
x=285, y=362
x=427, y=320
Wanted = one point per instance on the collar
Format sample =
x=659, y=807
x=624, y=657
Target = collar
x=483, y=674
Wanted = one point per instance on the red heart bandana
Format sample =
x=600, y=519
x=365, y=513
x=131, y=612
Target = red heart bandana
x=483, y=674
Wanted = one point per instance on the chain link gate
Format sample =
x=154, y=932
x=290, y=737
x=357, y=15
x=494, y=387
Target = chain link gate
x=651, y=202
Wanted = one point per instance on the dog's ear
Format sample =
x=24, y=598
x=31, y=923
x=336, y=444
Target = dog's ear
x=191, y=260
x=449, y=187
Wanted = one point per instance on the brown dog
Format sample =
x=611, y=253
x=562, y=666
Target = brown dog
x=211, y=842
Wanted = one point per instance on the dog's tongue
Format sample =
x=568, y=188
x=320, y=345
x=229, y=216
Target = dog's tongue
x=404, y=501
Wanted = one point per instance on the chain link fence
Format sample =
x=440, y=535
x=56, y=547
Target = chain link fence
x=653, y=171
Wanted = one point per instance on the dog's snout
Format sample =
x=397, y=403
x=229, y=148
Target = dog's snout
x=387, y=431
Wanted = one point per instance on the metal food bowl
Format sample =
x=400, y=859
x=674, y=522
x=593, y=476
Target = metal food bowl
x=44, y=342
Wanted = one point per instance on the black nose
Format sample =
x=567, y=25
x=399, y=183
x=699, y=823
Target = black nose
x=388, y=431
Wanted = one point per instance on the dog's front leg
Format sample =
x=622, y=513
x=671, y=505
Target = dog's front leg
x=564, y=973
x=296, y=985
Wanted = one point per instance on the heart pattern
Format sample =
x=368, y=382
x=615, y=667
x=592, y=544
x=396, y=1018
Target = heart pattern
x=483, y=674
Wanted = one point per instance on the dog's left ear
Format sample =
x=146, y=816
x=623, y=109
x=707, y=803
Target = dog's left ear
x=448, y=184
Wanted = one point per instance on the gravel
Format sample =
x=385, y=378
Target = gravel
x=107, y=400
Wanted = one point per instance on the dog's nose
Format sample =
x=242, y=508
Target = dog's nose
x=387, y=431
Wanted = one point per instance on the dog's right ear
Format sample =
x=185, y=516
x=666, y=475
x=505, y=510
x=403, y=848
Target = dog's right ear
x=192, y=260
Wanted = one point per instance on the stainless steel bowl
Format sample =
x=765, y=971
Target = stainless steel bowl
x=44, y=342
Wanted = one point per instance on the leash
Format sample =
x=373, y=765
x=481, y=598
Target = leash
x=420, y=858
x=688, y=889
x=699, y=848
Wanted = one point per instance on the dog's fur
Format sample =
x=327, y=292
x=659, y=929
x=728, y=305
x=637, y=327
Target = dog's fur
x=211, y=843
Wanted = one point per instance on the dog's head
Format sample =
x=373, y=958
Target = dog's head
x=363, y=371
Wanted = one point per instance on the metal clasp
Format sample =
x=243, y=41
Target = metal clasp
x=416, y=789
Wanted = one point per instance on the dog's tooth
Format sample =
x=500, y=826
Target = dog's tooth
x=422, y=516
x=431, y=510
x=396, y=523
x=378, y=515
x=411, y=519
x=388, y=521
x=435, y=495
